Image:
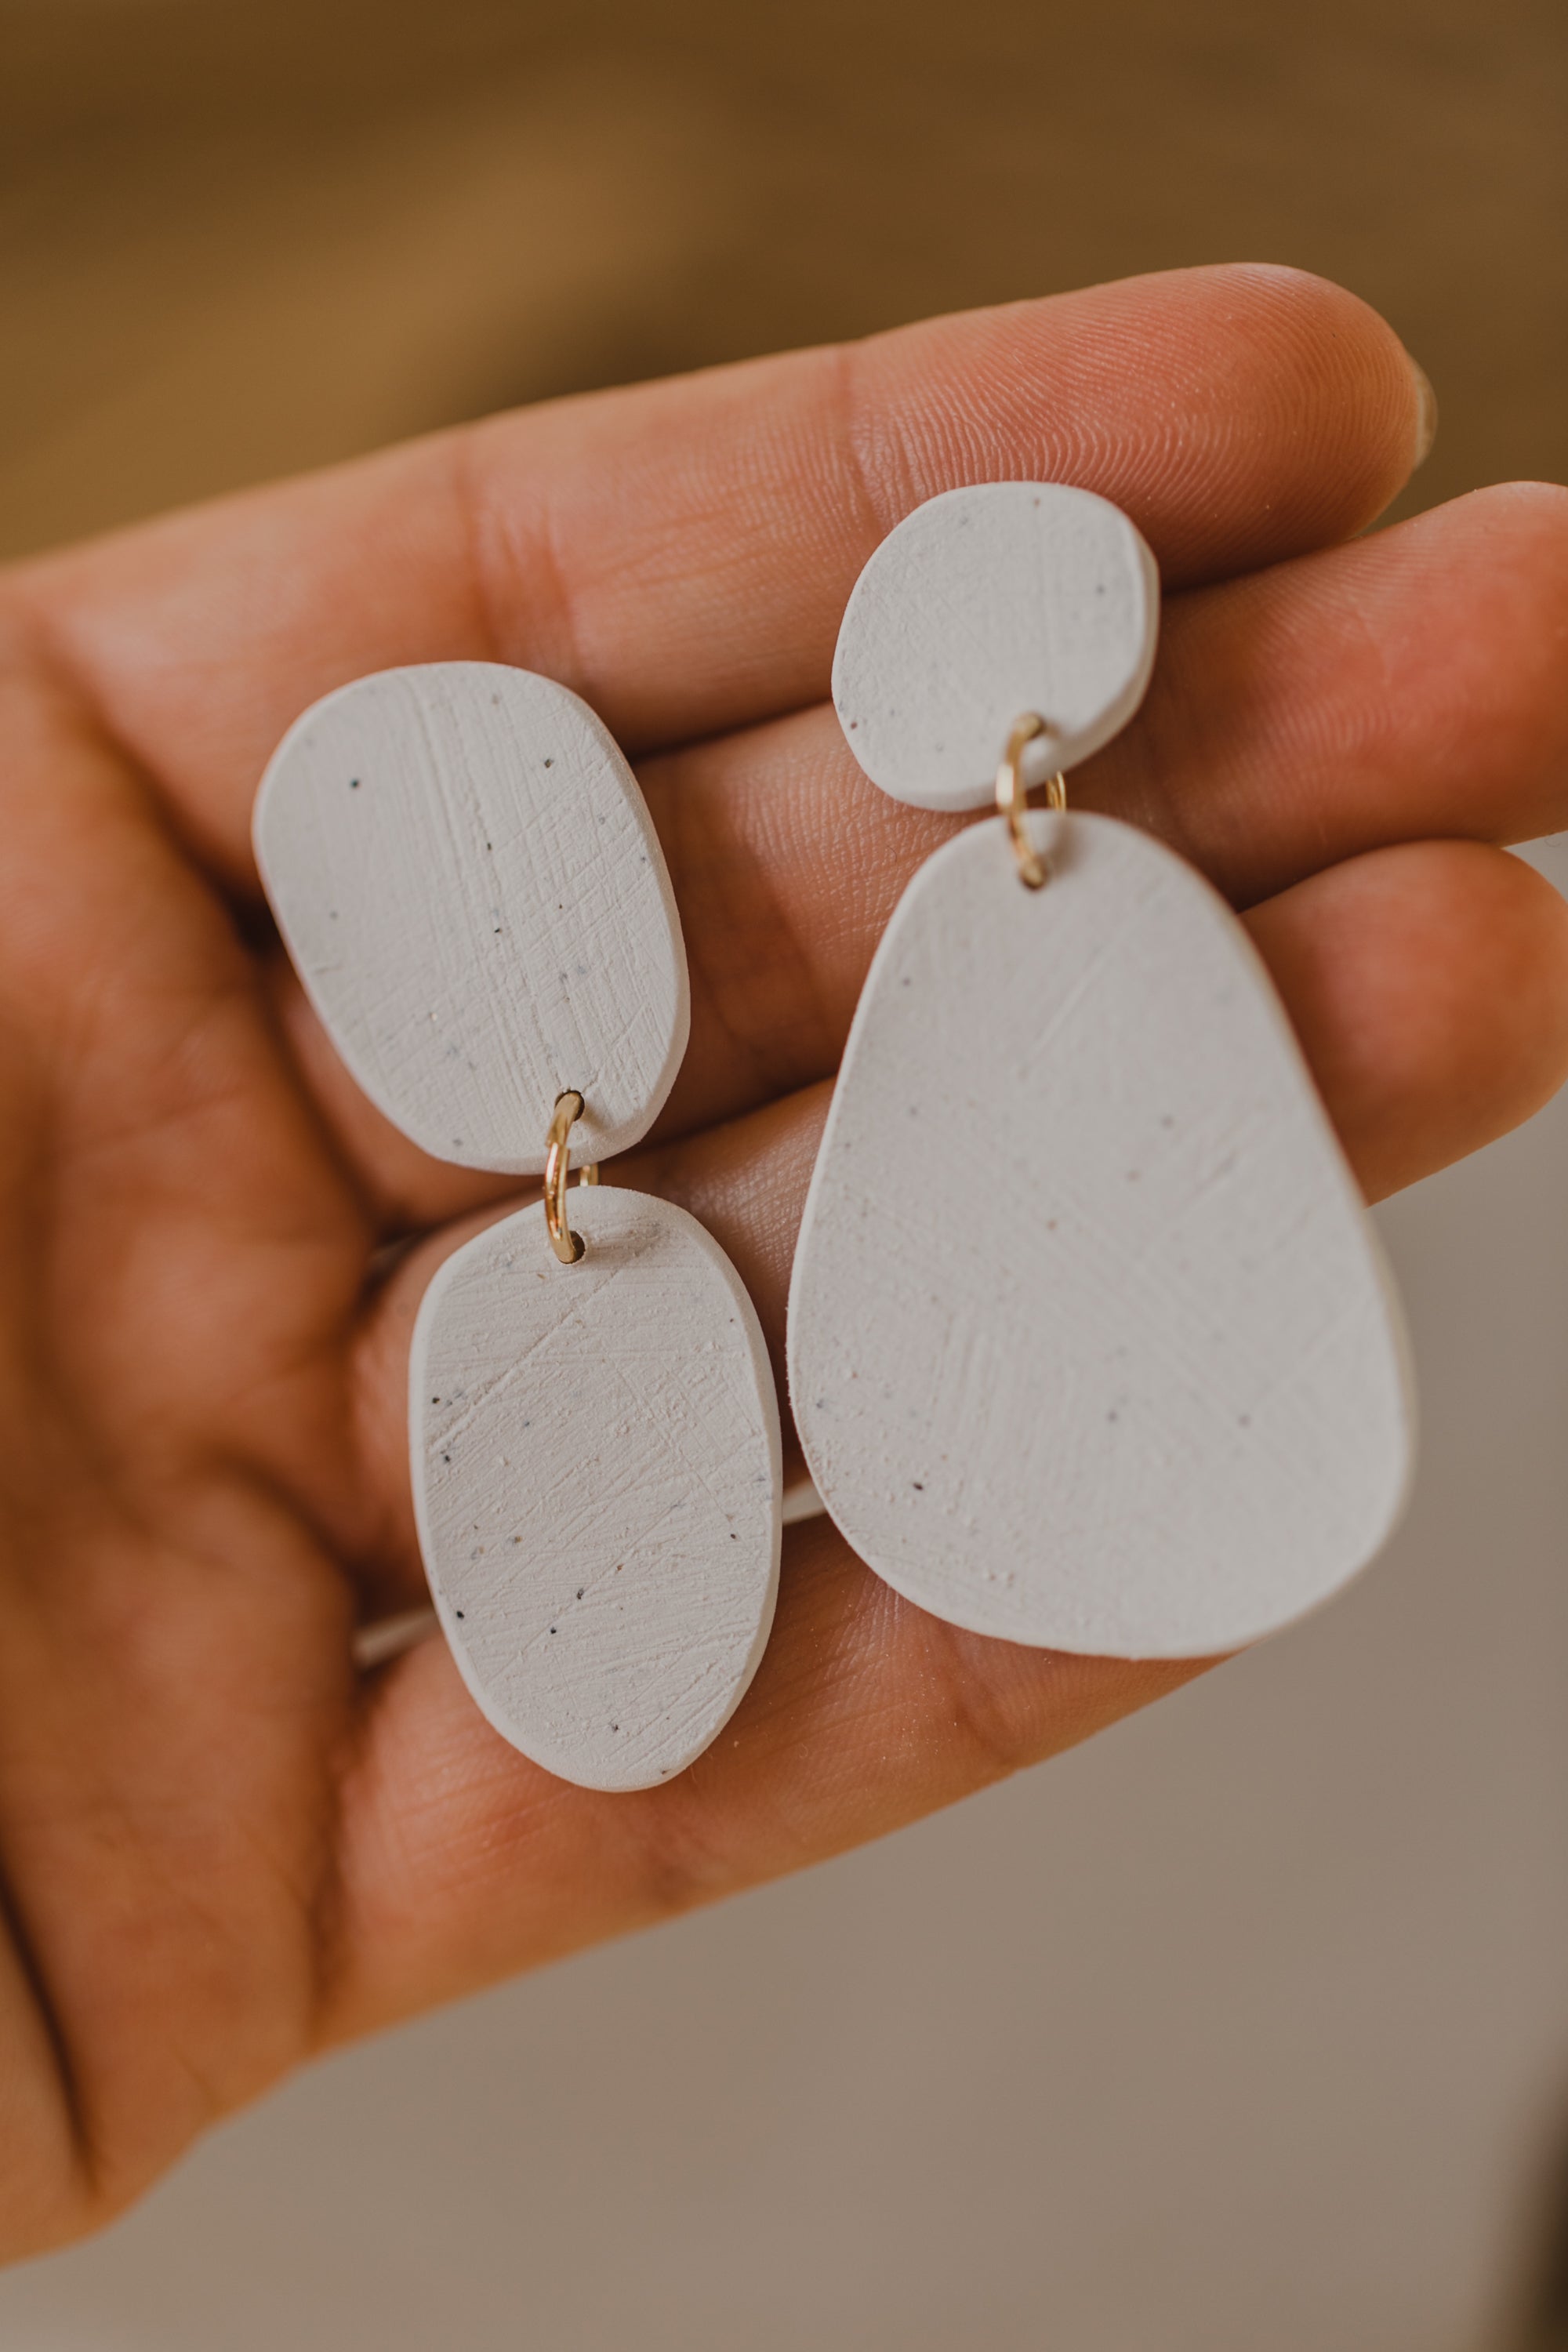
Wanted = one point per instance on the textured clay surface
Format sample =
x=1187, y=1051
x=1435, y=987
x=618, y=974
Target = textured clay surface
x=466, y=876
x=1091, y=1344
x=596, y=1473
x=983, y=604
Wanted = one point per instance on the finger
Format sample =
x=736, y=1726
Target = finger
x=682, y=553
x=1410, y=686
x=1428, y=984
x=461, y=1862
x=1404, y=686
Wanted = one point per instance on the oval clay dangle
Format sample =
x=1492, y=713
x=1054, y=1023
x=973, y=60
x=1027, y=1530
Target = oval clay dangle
x=596, y=1475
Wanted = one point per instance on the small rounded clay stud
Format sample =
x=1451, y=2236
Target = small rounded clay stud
x=986, y=604
x=1091, y=1342
x=465, y=873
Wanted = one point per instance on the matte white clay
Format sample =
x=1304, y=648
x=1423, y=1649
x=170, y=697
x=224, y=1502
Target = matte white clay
x=1091, y=1344
x=466, y=877
x=985, y=604
x=596, y=1475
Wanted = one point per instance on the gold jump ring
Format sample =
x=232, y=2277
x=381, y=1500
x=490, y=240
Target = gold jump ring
x=1013, y=801
x=558, y=1173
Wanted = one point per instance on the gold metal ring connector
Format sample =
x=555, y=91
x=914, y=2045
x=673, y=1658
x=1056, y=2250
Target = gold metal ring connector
x=1013, y=801
x=558, y=1173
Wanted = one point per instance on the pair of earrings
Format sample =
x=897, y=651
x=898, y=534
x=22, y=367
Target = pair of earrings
x=1091, y=1342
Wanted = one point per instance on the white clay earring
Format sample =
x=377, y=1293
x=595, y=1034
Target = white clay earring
x=466, y=877
x=1091, y=1342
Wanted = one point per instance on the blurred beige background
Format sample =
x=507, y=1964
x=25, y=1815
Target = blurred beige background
x=1247, y=2027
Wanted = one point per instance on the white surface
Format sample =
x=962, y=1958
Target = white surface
x=1245, y=2029
x=983, y=604
x=596, y=1473
x=466, y=877
x=1091, y=1342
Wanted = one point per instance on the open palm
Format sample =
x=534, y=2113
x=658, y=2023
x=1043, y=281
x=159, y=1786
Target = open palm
x=223, y=1847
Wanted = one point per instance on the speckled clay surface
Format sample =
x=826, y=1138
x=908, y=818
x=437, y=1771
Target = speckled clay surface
x=1091, y=1344
x=467, y=880
x=983, y=604
x=597, y=1470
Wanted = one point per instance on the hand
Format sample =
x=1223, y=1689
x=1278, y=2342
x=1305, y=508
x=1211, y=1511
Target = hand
x=223, y=1848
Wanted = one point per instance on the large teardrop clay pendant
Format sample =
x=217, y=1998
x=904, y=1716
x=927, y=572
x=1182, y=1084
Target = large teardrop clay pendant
x=1091, y=1344
x=597, y=1470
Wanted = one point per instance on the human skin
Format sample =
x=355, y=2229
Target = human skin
x=223, y=1849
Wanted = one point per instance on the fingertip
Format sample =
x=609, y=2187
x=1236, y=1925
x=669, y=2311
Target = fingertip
x=1426, y=412
x=1428, y=985
x=1361, y=401
x=1289, y=388
x=1520, y=931
x=1486, y=939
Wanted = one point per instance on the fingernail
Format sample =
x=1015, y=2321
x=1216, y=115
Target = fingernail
x=1426, y=412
